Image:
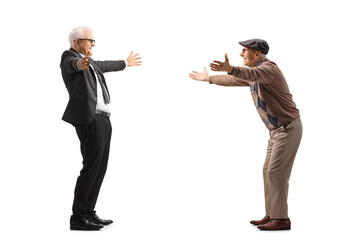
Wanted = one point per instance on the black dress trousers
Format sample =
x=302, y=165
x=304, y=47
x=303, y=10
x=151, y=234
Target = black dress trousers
x=95, y=145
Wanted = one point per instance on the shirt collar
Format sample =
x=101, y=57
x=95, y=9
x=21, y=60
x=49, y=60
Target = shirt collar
x=259, y=63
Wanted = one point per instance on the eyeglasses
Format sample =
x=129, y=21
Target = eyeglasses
x=90, y=40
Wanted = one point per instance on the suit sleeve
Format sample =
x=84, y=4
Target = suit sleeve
x=110, y=66
x=227, y=80
x=69, y=63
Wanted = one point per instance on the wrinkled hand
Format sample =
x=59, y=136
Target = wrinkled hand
x=84, y=63
x=200, y=76
x=222, y=66
x=133, y=60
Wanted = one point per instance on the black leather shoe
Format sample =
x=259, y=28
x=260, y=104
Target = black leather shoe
x=95, y=219
x=84, y=224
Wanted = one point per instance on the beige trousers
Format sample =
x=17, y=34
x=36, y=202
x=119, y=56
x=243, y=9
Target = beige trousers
x=281, y=151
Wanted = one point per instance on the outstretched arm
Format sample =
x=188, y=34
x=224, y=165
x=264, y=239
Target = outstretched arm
x=222, y=80
x=109, y=66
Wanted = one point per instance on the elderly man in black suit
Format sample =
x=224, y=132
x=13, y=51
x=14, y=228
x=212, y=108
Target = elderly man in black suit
x=88, y=110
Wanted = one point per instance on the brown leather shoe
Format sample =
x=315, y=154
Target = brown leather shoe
x=276, y=224
x=265, y=220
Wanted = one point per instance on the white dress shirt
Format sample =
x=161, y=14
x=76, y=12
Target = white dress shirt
x=100, y=105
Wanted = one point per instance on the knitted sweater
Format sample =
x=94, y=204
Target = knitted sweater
x=269, y=90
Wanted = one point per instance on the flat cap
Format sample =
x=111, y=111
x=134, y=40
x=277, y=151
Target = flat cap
x=256, y=44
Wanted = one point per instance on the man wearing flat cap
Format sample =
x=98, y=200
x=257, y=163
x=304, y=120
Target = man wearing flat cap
x=278, y=111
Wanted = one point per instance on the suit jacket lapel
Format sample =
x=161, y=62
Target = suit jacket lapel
x=92, y=71
x=92, y=62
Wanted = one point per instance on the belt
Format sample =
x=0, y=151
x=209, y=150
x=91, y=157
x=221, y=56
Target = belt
x=287, y=124
x=107, y=114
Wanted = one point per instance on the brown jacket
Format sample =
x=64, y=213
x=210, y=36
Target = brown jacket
x=269, y=90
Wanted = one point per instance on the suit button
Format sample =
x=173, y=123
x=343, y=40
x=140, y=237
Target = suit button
x=95, y=98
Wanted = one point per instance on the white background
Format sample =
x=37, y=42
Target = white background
x=186, y=158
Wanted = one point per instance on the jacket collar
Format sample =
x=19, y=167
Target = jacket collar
x=79, y=54
x=73, y=50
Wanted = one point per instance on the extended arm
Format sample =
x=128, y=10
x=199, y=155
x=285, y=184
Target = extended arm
x=262, y=74
x=228, y=81
x=223, y=80
x=109, y=66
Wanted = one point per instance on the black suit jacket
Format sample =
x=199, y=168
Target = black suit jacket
x=81, y=85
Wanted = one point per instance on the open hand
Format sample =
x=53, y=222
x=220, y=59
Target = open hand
x=200, y=76
x=84, y=63
x=133, y=60
x=222, y=66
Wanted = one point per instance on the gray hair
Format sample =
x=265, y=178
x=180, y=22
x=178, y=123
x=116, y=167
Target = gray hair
x=76, y=33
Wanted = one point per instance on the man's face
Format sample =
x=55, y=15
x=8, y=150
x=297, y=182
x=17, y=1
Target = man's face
x=85, y=45
x=250, y=56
